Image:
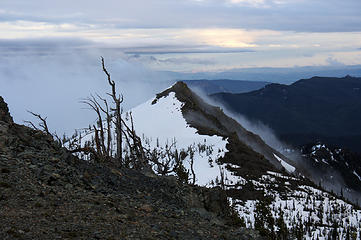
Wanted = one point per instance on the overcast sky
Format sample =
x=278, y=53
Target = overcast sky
x=211, y=34
x=46, y=45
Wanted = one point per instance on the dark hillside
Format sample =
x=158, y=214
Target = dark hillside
x=326, y=109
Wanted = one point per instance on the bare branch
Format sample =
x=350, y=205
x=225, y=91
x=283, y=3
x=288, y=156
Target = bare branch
x=31, y=124
x=43, y=124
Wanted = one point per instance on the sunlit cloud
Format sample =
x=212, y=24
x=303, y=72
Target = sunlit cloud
x=229, y=38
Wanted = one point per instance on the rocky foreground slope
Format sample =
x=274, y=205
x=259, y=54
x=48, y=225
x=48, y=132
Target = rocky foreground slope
x=47, y=193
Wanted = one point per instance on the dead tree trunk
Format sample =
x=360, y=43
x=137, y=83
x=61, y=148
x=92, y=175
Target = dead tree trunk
x=117, y=111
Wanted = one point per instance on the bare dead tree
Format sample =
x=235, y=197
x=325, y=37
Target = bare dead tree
x=109, y=115
x=110, y=121
x=118, y=99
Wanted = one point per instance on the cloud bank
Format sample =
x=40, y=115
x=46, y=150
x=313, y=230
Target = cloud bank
x=52, y=83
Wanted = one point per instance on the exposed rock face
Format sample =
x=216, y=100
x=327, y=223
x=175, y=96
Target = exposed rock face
x=4, y=112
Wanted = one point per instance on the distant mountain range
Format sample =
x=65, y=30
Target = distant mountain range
x=224, y=85
x=275, y=75
x=309, y=110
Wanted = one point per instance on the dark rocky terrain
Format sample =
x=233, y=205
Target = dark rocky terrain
x=47, y=193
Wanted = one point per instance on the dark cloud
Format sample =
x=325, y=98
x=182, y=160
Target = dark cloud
x=173, y=60
x=43, y=46
x=185, y=50
x=186, y=60
x=44, y=42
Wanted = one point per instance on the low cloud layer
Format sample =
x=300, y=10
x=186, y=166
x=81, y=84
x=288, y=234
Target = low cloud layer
x=172, y=60
x=52, y=84
x=51, y=75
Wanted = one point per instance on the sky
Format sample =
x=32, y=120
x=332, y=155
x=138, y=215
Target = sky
x=50, y=50
x=191, y=35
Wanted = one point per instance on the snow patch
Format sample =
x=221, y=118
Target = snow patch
x=358, y=176
x=289, y=168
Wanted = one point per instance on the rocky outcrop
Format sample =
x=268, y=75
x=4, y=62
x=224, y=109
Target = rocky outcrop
x=4, y=112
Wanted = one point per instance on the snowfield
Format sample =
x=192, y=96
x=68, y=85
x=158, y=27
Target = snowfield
x=162, y=125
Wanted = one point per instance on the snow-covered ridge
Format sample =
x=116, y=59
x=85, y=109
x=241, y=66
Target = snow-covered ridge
x=162, y=125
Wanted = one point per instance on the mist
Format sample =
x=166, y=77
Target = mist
x=259, y=128
x=52, y=82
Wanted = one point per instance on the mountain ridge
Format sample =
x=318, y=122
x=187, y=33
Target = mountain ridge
x=197, y=113
x=325, y=109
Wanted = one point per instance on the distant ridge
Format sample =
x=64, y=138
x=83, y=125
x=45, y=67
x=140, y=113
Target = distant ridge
x=319, y=108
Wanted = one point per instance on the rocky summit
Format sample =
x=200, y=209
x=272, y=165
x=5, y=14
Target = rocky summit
x=47, y=193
